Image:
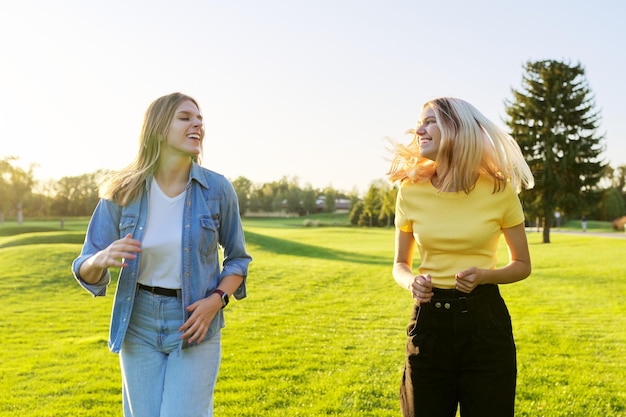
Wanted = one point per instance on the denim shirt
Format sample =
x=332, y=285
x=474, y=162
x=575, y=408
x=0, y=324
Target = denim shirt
x=210, y=219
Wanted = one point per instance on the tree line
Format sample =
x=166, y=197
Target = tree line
x=552, y=116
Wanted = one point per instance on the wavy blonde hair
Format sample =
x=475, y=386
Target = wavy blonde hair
x=123, y=186
x=470, y=145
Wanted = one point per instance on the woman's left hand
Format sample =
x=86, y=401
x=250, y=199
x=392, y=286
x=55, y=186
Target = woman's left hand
x=469, y=279
x=202, y=313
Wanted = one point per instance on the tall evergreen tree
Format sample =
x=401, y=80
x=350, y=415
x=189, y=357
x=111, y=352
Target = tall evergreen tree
x=552, y=117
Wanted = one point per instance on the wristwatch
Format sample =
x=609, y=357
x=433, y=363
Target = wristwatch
x=223, y=295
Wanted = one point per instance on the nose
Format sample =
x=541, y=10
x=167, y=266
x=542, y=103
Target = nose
x=420, y=130
x=197, y=122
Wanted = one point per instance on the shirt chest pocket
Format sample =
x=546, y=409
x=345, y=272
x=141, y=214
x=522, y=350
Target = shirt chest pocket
x=209, y=232
x=128, y=223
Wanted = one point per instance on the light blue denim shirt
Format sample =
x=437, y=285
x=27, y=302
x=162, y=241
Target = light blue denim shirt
x=210, y=219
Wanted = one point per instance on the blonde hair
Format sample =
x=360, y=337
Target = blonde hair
x=123, y=186
x=470, y=145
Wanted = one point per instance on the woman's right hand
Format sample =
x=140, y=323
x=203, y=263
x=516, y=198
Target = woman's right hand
x=422, y=289
x=117, y=253
x=114, y=255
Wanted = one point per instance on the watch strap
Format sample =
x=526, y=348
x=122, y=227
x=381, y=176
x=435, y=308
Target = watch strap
x=223, y=296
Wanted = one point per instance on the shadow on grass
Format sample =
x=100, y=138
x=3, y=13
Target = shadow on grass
x=17, y=230
x=42, y=238
x=289, y=247
x=267, y=243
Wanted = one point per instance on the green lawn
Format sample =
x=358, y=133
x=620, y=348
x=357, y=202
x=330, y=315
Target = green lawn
x=322, y=330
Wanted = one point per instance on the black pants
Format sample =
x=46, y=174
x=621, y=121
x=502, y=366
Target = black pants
x=460, y=350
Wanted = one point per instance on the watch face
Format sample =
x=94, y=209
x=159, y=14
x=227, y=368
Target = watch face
x=225, y=300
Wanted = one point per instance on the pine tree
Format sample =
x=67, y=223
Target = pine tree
x=552, y=117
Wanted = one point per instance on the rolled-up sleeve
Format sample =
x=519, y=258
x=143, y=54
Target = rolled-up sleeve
x=103, y=230
x=232, y=239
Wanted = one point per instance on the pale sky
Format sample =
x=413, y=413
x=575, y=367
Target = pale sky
x=305, y=89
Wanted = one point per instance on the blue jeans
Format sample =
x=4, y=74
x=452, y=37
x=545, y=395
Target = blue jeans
x=460, y=351
x=159, y=378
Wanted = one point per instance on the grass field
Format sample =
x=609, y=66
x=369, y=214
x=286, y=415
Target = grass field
x=322, y=330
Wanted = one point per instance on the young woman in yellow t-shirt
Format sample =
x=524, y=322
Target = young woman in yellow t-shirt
x=459, y=179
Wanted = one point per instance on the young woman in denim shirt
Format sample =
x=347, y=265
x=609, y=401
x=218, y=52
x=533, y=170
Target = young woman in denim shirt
x=459, y=179
x=162, y=220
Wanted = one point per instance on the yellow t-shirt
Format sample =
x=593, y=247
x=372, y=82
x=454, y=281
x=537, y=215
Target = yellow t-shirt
x=455, y=231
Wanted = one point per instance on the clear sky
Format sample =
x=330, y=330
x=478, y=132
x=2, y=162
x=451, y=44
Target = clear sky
x=303, y=89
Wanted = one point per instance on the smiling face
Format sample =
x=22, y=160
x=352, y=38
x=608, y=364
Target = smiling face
x=185, y=132
x=428, y=135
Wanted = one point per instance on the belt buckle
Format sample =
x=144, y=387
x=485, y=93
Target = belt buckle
x=463, y=307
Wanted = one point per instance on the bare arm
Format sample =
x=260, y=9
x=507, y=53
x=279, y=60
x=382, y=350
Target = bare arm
x=420, y=285
x=230, y=283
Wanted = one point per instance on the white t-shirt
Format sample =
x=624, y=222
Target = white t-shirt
x=160, y=264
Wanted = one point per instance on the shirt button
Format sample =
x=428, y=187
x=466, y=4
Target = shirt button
x=437, y=305
x=447, y=306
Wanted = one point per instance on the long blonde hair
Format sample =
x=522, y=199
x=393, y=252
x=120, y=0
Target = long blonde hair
x=123, y=186
x=470, y=145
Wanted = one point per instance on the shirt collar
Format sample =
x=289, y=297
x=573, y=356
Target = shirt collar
x=195, y=174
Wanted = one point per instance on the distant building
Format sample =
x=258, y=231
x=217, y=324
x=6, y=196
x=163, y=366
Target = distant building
x=341, y=204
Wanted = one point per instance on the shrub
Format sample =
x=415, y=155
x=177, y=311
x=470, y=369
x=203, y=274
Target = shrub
x=310, y=223
x=619, y=224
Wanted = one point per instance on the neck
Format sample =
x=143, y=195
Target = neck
x=172, y=175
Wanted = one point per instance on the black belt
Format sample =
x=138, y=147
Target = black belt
x=168, y=292
x=458, y=302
